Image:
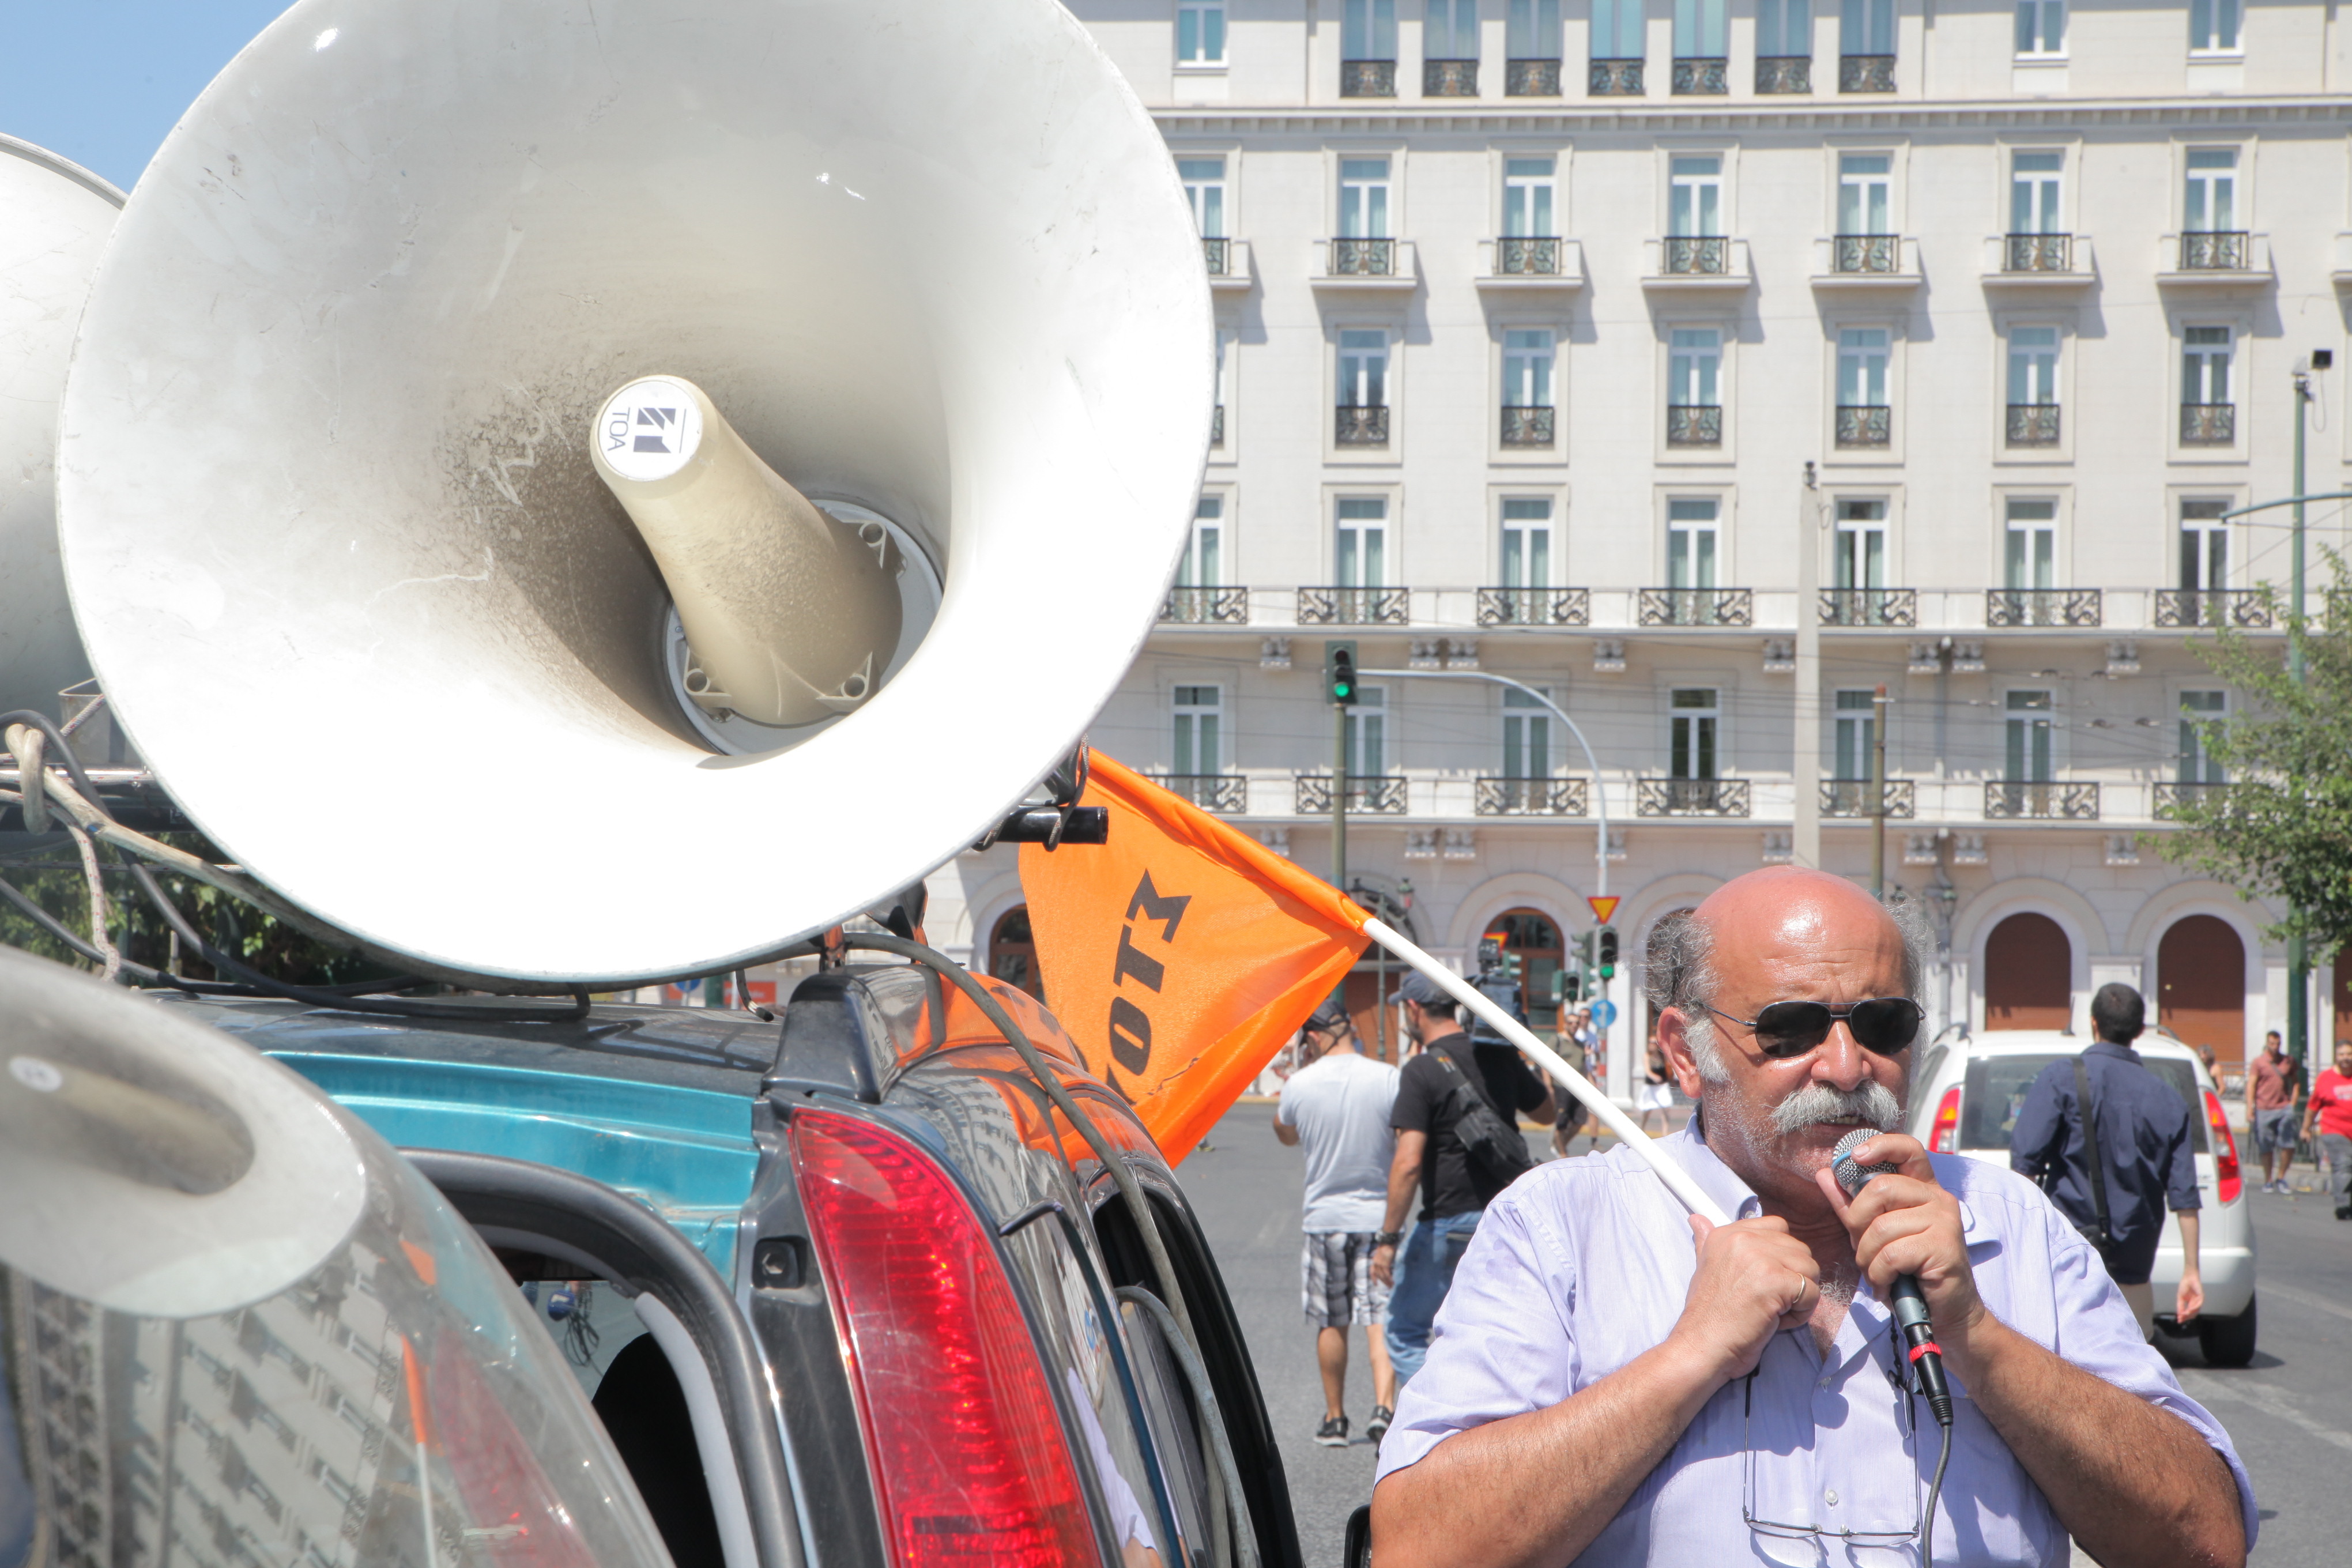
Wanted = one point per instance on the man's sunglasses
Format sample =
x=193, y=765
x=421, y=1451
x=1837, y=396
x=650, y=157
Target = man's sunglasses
x=1884, y=1024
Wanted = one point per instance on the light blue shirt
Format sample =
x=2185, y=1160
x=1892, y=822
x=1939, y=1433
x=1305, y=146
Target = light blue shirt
x=1583, y=1265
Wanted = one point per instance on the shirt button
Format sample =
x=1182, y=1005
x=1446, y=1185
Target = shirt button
x=1829, y=1498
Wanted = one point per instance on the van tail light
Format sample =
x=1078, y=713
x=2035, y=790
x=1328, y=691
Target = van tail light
x=1944, y=1136
x=2225, y=1149
x=970, y=1460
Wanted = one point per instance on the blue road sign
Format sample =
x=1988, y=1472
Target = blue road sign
x=1604, y=1011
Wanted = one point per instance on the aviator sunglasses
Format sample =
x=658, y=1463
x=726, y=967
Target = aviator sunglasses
x=1884, y=1024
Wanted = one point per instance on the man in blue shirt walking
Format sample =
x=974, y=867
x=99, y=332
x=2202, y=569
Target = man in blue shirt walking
x=2116, y=1178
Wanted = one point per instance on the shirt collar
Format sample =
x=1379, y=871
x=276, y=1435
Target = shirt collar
x=2109, y=1049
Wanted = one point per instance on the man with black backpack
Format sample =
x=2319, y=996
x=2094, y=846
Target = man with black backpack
x=2110, y=1142
x=1458, y=1143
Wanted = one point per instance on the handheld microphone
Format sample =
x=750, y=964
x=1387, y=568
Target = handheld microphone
x=1910, y=1306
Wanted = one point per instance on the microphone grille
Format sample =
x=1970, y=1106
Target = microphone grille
x=1851, y=1175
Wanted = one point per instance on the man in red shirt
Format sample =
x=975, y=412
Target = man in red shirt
x=2331, y=1113
x=2274, y=1096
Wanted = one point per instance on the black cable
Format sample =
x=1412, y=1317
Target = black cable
x=1934, y=1490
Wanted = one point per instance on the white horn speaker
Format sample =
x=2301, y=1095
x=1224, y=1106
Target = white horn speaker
x=54, y=218
x=354, y=585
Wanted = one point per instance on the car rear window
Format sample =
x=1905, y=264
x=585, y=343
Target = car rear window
x=1997, y=1085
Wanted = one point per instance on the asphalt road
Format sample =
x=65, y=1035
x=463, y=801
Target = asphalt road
x=2290, y=1411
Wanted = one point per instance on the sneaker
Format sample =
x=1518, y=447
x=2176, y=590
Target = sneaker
x=2344, y=1213
x=1333, y=1433
x=1378, y=1426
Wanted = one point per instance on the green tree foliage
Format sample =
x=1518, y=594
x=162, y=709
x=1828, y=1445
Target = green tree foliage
x=2283, y=828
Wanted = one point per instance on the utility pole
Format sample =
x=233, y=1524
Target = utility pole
x=1805, y=836
x=2298, y=953
x=1878, y=706
x=1339, y=691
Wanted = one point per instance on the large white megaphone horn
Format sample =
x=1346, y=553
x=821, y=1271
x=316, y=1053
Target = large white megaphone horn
x=358, y=587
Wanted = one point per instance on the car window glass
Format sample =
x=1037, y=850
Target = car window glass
x=1997, y=1085
x=1168, y=1411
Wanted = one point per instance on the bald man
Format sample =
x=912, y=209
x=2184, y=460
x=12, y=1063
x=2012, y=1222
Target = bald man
x=1615, y=1381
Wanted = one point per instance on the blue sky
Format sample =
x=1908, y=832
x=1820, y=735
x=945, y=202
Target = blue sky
x=103, y=81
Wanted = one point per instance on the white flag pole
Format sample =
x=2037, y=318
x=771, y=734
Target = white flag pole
x=1678, y=1181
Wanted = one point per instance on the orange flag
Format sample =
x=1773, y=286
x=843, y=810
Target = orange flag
x=1182, y=955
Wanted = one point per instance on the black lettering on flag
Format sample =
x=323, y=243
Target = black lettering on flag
x=1147, y=903
x=1130, y=1034
x=1135, y=963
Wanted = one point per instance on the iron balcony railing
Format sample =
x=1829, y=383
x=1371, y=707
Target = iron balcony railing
x=1697, y=607
x=1614, y=79
x=1866, y=253
x=1368, y=79
x=2167, y=799
x=1691, y=797
x=1535, y=607
x=1694, y=424
x=1702, y=77
x=2208, y=424
x=1360, y=427
x=1864, y=424
x=1699, y=255
x=1215, y=251
x=1870, y=607
x=1378, y=795
x=2039, y=253
x=2042, y=607
x=2033, y=425
x=1865, y=73
x=2214, y=250
x=2066, y=801
x=1531, y=78
x=1784, y=73
x=2250, y=610
x=1217, y=426
x=1526, y=425
x=1206, y=606
x=1362, y=258
x=1527, y=254
x=1449, y=78
x=1211, y=792
x=1530, y=797
x=1354, y=606
x=1851, y=797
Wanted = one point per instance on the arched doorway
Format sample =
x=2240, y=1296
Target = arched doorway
x=1013, y=952
x=1530, y=937
x=2201, y=986
x=2029, y=969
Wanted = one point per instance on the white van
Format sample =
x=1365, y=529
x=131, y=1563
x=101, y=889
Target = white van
x=1965, y=1098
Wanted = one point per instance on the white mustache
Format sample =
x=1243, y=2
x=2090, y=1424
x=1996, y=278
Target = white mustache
x=1873, y=1104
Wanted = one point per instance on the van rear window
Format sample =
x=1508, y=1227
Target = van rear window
x=1997, y=1085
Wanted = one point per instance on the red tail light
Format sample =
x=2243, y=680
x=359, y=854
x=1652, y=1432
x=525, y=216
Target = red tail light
x=2225, y=1149
x=1944, y=1137
x=970, y=1464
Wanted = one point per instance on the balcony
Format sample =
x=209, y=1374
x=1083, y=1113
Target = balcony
x=1530, y=262
x=2248, y=609
x=1865, y=252
x=2004, y=802
x=1353, y=262
x=1531, y=78
x=1866, y=263
x=1701, y=77
x=2033, y=424
x=1188, y=606
x=1691, y=797
x=1851, y=797
x=2165, y=800
x=1530, y=797
x=2039, y=253
x=1697, y=262
x=2208, y=424
x=1614, y=79
x=1529, y=426
x=1368, y=79
x=1694, y=424
x=2038, y=261
x=1784, y=74
x=2217, y=261
x=1449, y=78
x=1699, y=255
x=1361, y=426
x=1865, y=73
x=1340, y=606
x=1697, y=608
x=1863, y=425
x=1870, y=606
x=1228, y=263
x=2042, y=607
x=1226, y=793
x=1535, y=607
x=1376, y=796
x=2214, y=251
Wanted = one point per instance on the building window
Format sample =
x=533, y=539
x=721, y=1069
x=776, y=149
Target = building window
x=1450, y=30
x=1367, y=737
x=2029, y=737
x=1616, y=49
x=1361, y=548
x=1700, y=51
x=1217, y=419
x=2208, y=417
x=1527, y=737
x=2213, y=26
x=1860, y=560
x=1364, y=198
x=1199, y=32
x=1205, y=188
x=1013, y=952
x=2033, y=386
x=1867, y=46
x=2029, y=552
x=1363, y=417
x=1864, y=180
x=1197, y=712
x=2198, y=709
x=1695, y=196
x=2042, y=28
x=1527, y=541
x=2035, y=188
x=1369, y=32
x=1864, y=419
x=1691, y=535
x=1857, y=735
x=2210, y=203
x=1204, y=563
x=1693, y=716
x=1528, y=192
x=1784, y=46
x=1527, y=387
x=1532, y=50
x=2204, y=545
x=1694, y=387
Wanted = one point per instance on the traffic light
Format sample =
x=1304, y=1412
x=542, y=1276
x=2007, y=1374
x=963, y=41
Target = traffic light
x=1571, y=985
x=1608, y=953
x=1339, y=673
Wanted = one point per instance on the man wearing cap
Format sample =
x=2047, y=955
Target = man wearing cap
x=1336, y=1104
x=1432, y=1160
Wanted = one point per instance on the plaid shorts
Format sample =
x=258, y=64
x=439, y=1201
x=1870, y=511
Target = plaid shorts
x=1339, y=1289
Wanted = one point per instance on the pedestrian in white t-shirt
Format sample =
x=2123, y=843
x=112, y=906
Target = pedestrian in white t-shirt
x=1338, y=1106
